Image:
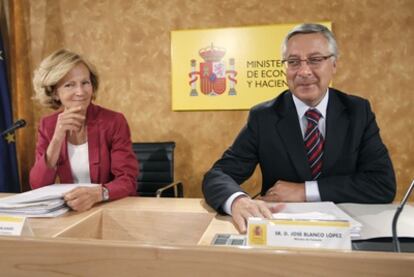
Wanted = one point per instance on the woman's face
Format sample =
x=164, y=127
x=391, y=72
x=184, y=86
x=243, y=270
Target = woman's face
x=75, y=89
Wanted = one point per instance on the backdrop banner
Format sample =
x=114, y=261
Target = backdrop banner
x=228, y=68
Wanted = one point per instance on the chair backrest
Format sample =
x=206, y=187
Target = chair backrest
x=156, y=167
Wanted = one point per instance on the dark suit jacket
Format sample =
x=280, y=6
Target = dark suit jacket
x=356, y=165
x=111, y=159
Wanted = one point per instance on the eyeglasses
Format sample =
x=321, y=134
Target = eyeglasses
x=312, y=62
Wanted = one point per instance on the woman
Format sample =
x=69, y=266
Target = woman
x=81, y=142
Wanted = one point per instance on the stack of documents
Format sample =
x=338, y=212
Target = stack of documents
x=42, y=202
x=318, y=211
x=377, y=220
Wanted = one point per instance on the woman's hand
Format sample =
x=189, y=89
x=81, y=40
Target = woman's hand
x=83, y=198
x=70, y=120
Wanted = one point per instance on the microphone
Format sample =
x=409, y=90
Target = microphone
x=395, y=240
x=18, y=124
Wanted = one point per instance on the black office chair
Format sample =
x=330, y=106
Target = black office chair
x=156, y=169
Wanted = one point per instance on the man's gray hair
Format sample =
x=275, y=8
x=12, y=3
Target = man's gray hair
x=310, y=28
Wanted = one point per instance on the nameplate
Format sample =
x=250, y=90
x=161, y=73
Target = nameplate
x=327, y=234
x=14, y=226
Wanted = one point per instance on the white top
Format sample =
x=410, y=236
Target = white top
x=79, y=162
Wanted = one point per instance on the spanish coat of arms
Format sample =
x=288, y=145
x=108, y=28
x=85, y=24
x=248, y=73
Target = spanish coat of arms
x=212, y=73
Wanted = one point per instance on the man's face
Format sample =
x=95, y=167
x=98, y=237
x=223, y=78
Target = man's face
x=309, y=81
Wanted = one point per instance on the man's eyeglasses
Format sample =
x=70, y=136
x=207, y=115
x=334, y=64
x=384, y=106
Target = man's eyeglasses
x=312, y=62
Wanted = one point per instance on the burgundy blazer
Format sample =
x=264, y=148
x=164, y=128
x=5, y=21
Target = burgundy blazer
x=112, y=162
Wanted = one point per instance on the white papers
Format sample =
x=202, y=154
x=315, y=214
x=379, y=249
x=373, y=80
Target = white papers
x=377, y=219
x=318, y=211
x=308, y=216
x=55, y=191
x=46, y=201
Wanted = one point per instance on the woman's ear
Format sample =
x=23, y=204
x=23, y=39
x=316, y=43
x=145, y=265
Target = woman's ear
x=55, y=96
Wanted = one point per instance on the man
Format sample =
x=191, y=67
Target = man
x=312, y=142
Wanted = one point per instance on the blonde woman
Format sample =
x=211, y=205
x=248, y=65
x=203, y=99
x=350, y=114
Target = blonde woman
x=81, y=142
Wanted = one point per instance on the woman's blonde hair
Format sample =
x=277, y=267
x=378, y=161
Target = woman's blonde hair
x=52, y=69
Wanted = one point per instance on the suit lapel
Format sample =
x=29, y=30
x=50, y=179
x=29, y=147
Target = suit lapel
x=336, y=128
x=93, y=144
x=288, y=128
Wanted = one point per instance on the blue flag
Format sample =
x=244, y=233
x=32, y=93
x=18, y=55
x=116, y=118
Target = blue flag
x=9, y=176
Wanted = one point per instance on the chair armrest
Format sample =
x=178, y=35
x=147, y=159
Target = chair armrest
x=175, y=185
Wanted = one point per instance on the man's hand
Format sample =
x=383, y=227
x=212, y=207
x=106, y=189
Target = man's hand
x=83, y=198
x=244, y=207
x=284, y=191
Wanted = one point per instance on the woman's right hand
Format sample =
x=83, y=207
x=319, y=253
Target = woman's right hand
x=70, y=120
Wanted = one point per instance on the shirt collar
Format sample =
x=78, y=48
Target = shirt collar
x=301, y=107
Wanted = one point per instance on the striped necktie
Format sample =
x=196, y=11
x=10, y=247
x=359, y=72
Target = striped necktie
x=314, y=142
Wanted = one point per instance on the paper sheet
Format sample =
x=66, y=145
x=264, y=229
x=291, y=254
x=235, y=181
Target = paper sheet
x=319, y=211
x=377, y=219
x=46, y=201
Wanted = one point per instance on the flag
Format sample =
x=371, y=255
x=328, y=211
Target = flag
x=9, y=176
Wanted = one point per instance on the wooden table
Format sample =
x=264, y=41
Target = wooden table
x=169, y=237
